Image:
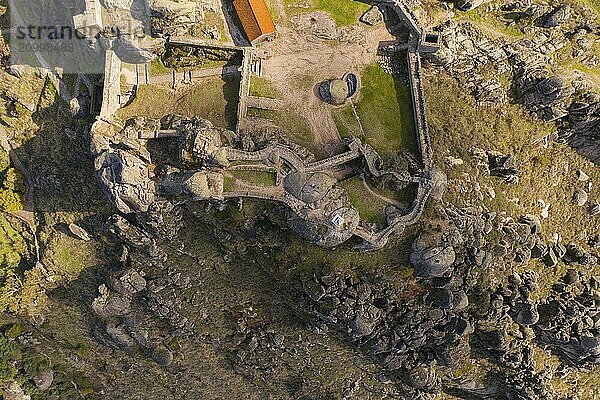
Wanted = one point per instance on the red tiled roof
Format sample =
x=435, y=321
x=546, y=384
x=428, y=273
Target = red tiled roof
x=255, y=18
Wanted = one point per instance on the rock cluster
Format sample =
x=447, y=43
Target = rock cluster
x=467, y=53
x=123, y=172
x=570, y=319
x=113, y=306
x=432, y=257
x=116, y=305
x=504, y=333
x=253, y=344
x=174, y=18
x=467, y=5
x=430, y=321
x=407, y=335
x=503, y=166
x=556, y=17
x=373, y=16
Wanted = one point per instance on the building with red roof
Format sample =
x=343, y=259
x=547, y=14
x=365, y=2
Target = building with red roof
x=256, y=19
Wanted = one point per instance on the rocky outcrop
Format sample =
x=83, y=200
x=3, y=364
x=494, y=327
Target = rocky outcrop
x=503, y=166
x=14, y=391
x=373, y=16
x=432, y=257
x=467, y=5
x=113, y=306
x=468, y=55
x=556, y=17
x=429, y=319
x=570, y=319
x=173, y=18
x=580, y=197
x=122, y=171
x=124, y=323
x=43, y=380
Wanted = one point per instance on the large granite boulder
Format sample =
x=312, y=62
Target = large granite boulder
x=568, y=322
x=110, y=304
x=502, y=165
x=334, y=91
x=557, y=17
x=43, y=380
x=432, y=260
x=467, y=5
x=124, y=176
x=580, y=197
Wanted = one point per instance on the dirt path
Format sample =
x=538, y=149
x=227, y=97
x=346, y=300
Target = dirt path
x=301, y=61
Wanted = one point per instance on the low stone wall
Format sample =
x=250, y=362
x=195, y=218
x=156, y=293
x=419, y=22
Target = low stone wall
x=264, y=103
x=244, y=89
x=419, y=113
x=405, y=13
x=414, y=77
x=111, y=93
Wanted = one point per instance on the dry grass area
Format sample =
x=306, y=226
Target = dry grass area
x=215, y=99
x=369, y=207
x=588, y=380
x=548, y=173
x=256, y=178
x=295, y=126
x=300, y=63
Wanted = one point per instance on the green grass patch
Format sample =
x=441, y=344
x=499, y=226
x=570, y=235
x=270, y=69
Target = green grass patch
x=406, y=195
x=269, y=115
x=298, y=129
x=156, y=67
x=369, y=207
x=12, y=246
x=262, y=87
x=593, y=4
x=258, y=178
x=70, y=256
x=274, y=10
x=343, y=12
x=493, y=22
x=345, y=121
x=228, y=184
x=385, y=111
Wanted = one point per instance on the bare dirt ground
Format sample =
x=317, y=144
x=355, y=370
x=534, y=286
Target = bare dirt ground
x=300, y=61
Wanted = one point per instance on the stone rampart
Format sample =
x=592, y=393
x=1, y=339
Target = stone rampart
x=111, y=92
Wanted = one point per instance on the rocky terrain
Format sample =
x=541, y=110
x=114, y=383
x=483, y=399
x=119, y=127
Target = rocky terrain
x=525, y=69
x=491, y=296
